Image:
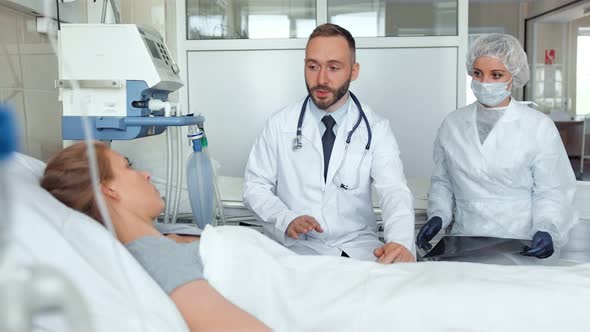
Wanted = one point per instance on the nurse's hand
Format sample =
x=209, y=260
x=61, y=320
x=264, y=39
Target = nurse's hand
x=393, y=253
x=542, y=246
x=303, y=225
x=428, y=232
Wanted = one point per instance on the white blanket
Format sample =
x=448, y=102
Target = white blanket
x=314, y=293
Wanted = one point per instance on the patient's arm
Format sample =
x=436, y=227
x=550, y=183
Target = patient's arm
x=204, y=309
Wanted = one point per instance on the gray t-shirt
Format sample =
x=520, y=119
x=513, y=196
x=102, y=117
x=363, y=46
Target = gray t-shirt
x=169, y=263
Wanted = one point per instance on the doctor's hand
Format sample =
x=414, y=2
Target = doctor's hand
x=392, y=252
x=303, y=225
x=542, y=246
x=428, y=232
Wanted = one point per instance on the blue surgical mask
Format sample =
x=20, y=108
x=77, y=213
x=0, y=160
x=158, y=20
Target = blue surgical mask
x=490, y=94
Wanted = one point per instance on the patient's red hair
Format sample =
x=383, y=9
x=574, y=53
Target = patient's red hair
x=67, y=177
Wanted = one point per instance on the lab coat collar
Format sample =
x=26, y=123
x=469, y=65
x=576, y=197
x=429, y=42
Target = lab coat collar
x=310, y=129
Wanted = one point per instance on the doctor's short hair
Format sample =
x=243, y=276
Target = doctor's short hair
x=67, y=177
x=334, y=30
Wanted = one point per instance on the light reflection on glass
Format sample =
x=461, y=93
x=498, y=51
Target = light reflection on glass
x=385, y=18
x=254, y=19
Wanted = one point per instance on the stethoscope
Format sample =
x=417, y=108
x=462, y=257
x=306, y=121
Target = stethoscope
x=298, y=144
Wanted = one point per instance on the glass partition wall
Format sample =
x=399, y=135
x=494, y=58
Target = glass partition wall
x=395, y=18
x=253, y=50
x=260, y=19
x=235, y=19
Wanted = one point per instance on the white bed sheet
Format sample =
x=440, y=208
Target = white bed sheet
x=314, y=293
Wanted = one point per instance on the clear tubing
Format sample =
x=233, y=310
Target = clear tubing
x=201, y=183
x=218, y=201
x=179, y=164
x=168, y=191
x=187, y=164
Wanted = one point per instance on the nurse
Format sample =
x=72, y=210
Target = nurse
x=500, y=166
x=311, y=189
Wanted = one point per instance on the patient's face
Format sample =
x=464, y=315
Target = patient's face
x=136, y=192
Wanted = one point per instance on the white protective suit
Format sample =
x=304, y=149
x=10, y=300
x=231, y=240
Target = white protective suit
x=518, y=182
x=281, y=184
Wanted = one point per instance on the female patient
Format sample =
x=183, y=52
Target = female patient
x=133, y=203
x=347, y=296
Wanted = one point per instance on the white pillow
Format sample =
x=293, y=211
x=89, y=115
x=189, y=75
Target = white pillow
x=119, y=294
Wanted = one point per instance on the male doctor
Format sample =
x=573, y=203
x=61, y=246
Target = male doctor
x=315, y=197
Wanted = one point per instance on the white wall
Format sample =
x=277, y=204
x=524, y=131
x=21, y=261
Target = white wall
x=72, y=12
x=28, y=69
x=238, y=90
x=415, y=88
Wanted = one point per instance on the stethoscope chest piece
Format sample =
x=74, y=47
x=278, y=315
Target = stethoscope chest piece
x=297, y=144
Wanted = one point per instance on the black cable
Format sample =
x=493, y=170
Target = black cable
x=58, y=19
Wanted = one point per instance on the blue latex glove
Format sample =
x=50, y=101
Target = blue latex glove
x=428, y=232
x=542, y=246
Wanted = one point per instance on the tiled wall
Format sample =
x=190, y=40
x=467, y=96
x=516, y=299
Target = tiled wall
x=28, y=69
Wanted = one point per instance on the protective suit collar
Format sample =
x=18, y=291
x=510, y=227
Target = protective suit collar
x=511, y=112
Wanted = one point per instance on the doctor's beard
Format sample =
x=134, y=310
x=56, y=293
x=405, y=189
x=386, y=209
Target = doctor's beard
x=337, y=94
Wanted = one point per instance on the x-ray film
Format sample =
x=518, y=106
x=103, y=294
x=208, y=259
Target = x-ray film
x=455, y=247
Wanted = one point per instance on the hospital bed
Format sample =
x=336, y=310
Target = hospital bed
x=121, y=297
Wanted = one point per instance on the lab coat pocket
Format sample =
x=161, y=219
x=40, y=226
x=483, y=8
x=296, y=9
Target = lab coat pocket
x=303, y=164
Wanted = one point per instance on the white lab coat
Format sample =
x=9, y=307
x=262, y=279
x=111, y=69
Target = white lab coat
x=517, y=182
x=281, y=184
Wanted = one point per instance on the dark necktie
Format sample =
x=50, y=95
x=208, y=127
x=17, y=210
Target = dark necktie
x=328, y=141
